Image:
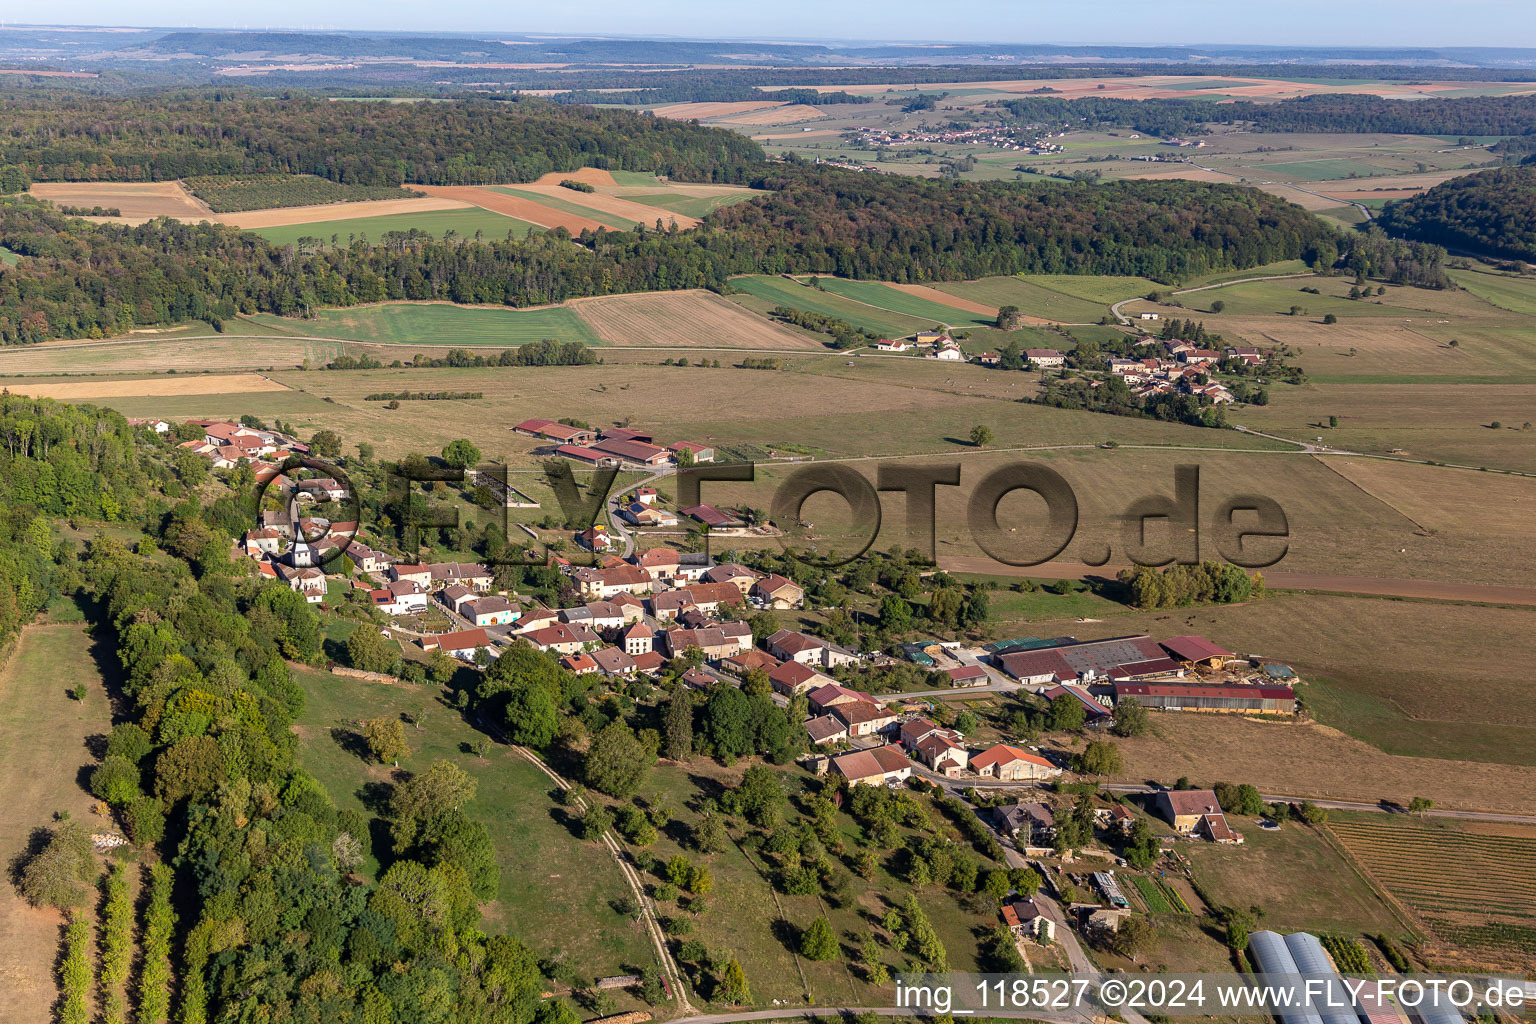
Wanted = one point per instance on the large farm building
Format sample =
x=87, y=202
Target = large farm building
x=1182, y=696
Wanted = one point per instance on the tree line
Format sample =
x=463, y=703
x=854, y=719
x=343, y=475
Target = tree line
x=160, y=137
x=1326, y=113
x=96, y=280
x=1491, y=213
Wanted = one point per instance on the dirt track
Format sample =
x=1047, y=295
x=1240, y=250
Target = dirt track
x=1379, y=586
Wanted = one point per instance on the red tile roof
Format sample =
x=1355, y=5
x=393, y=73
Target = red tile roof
x=1005, y=754
x=1194, y=648
x=867, y=764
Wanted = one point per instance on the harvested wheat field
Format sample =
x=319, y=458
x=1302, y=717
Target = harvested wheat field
x=590, y=175
x=1305, y=200
x=1361, y=195
x=792, y=113
x=688, y=319
x=1185, y=173
x=149, y=387
x=619, y=207
x=252, y=219
x=1308, y=760
x=136, y=200
x=922, y=291
x=708, y=111
x=515, y=206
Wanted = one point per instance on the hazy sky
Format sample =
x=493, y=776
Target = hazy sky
x=1291, y=22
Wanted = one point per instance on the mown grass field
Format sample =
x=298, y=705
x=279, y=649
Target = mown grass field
x=880, y=296
x=689, y=206
x=1033, y=299
x=1516, y=294
x=435, y=222
x=43, y=748
x=779, y=291
x=555, y=889
x=437, y=324
x=1296, y=876
x=1471, y=883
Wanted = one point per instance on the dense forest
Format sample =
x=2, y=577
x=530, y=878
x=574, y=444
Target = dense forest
x=85, y=280
x=1341, y=113
x=468, y=142
x=1490, y=213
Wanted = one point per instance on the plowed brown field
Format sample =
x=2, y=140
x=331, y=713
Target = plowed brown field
x=514, y=206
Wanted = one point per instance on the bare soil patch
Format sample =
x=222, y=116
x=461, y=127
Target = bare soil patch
x=135, y=200
x=706, y=111
x=922, y=291
x=620, y=207
x=590, y=175
x=687, y=318
x=515, y=206
x=282, y=217
x=150, y=387
x=1184, y=172
x=1303, y=759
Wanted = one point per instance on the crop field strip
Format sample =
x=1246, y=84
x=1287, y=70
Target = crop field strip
x=432, y=216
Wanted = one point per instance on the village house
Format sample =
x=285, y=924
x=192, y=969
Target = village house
x=967, y=675
x=929, y=337
x=788, y=645
x=863, y=717
x=418, y=574
x=1028, y=823
x=404, y=597
x=265, y=540
x=646, y=495
x=824, y=698
x=490, y=611
x=1123, y=366
x=470, y=574
x=711, y=640
x=1012, y=764
x=365, y=558
x=749, y=659
x=660, y=564
x=580, y=663
x=322, y=488
x=949, y=351
x=791, y=678
x=941, y=754
x=562, y=638
x=307, y=581
x=594, y=539
x=463, y=645
x=650, y=662
x=874, y=767
x=738, y=576
x=889, y=345
x=825, y=729
x=1024, y=919
x=455, y=596
x=1249, y=355
x=614, y=662
x=638, y=638
x=700, y=452
x=1185, y=808
x=1044, y=358
x=776, y=591
x=602, y=584
x=637, y=514
x=706, y=597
